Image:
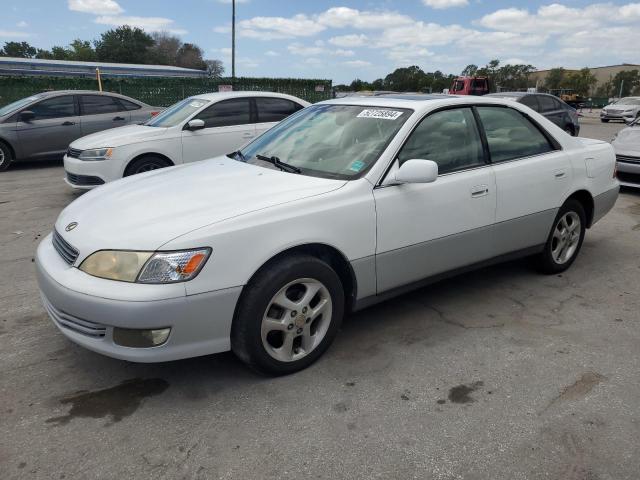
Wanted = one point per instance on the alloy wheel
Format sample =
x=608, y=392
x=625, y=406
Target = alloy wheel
x=566, y=237
x=296, y=319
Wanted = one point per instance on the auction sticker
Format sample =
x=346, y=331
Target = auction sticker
x=380, y=113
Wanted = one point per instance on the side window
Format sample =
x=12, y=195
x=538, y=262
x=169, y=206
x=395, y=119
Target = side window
x=235, y=111
x=547, y=104
x=275, y=109
x=127, y=105
x=531, y=101
x=97, y=104
x=511, y=135
x=54, y=108
x=448, y=137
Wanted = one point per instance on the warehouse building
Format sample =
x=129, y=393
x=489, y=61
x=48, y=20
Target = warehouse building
x=10, y=66
x=602, y=74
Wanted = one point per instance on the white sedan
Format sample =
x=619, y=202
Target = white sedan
x=199, y=127
x=627, y=146
x=344, y=204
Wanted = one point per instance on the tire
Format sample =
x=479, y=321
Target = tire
x=146, y=164
x=280, y=314
x=5, y=157
x=604, y=120
x=570, y=130
x=565, y=239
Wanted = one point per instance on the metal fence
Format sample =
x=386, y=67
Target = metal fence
x=163, y=92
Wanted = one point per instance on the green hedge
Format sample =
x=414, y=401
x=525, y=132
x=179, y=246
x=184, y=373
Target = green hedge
x=161, y=92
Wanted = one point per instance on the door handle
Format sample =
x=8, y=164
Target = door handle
x=118, y=119
x=247, y=135
x=560, y=174
x=479, y=191
x=68, y=123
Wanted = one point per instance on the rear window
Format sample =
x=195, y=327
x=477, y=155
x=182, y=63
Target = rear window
x=547, y=103
x=275, y=109
x=129, y=105
x=98, y=104
x=531, y=102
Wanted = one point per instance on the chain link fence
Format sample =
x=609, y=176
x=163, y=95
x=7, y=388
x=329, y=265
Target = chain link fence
x=162, y=92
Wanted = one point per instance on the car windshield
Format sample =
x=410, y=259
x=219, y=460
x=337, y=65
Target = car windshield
x=629, y=101
x=330, y=141
x=17, y=105
x=177, y=113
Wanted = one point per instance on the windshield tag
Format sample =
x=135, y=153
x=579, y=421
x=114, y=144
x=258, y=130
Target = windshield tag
x=357, y=165
x=384, y=114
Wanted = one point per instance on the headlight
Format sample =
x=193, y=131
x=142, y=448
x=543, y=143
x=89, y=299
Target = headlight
x=96, y=154
x=146, y=267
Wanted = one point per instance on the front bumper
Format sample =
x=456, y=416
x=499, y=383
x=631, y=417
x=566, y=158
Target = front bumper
x=625, y=117
x=200, y=324
x=85, y=175
x=628, y=170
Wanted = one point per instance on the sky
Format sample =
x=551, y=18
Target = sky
x=343, y=40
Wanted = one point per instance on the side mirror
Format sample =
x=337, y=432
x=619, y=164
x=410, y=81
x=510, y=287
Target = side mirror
x=26, y=116
x=194, y=125
x=417, y=171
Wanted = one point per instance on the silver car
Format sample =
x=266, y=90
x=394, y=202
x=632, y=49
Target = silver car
x=626, y=109
x=42, y=126
x=627, y=146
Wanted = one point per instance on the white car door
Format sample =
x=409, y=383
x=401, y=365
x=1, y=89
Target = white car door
x=427, y=229
x=227, y=126
x=271, y=110
x=533, y=177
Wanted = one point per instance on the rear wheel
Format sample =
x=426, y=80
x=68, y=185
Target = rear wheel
x=5, y=157
x=146, y=164
x=565, y=239
x=288, y=315
x=570, y=130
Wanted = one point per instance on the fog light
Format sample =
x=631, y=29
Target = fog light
x=129, y=337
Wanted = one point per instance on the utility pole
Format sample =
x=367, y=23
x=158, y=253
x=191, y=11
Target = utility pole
x=621, y=84
x=233, y=42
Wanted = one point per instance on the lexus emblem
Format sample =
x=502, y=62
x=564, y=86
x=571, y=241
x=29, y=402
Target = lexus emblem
x=71, y=226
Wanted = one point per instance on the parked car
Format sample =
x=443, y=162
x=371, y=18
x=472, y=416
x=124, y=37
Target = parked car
x=343, y=204
x=550, y=106
x=42, y=126
x=470, y=86
x=626, y=109
x=627, y=146
x=196, y=128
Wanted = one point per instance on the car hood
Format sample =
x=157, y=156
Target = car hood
x=620, y=106
x=115, y=137
x=628, y=141
x=145, y=211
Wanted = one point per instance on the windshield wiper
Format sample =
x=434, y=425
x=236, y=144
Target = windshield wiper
x=237, y=155
x=285, y=167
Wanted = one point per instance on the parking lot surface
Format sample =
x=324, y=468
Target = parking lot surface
x=502, y=373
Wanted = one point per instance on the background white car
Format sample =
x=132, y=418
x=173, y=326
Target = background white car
x=626, y=109
x=197, y=128
x=627, y=146
x=339, y=206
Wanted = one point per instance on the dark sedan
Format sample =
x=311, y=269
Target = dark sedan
x=549, y=106
x=42, y=126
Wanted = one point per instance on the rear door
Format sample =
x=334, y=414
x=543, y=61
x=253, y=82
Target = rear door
x=55, y=126
x=227, y=127
x=271, y=110
x=532, y=174
x=101, y=112
x=137, y=114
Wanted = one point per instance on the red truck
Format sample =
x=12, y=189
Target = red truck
x=470, y=86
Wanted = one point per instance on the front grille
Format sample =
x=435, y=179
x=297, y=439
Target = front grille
x=626, y=177
x=84, y=180
x=76, y=324
x=73, y=152
x=66, y=251
x=627, y=158
x=613, y=112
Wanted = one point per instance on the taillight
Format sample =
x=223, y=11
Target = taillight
x=615, y=170
x=153, y=114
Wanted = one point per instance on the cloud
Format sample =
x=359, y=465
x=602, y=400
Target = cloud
x=22, y=24
x=271, y=53
x=97, y=7
x=340, y=17
x=150, y=24
x=352, y=40
x=340, y=52
x=442, y=4
x=14, y=34
x=304, y=50
x=269, y=28
x=357, y=63
x=222, y=29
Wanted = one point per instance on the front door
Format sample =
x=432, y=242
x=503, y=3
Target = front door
x=227, y=126
x=55, y=125
x=427, y=229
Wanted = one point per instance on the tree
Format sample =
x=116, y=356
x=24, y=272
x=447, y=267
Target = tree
x=18, y=49
x=581, y=81
x=190, y=56
x=470, y=70
x=628, y=79
x=555, y=79
x=215, y=69
x=81, y=50
x=165, y=48
x=124, y=45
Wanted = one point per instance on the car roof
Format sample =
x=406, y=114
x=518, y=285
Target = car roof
x=215, y=96
x=56, y=93
x=414, y=102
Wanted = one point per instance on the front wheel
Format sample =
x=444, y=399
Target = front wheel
x=146, y=164
x=604, y=120
x=565, y=239
x=5, y=157
x=288, y=315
